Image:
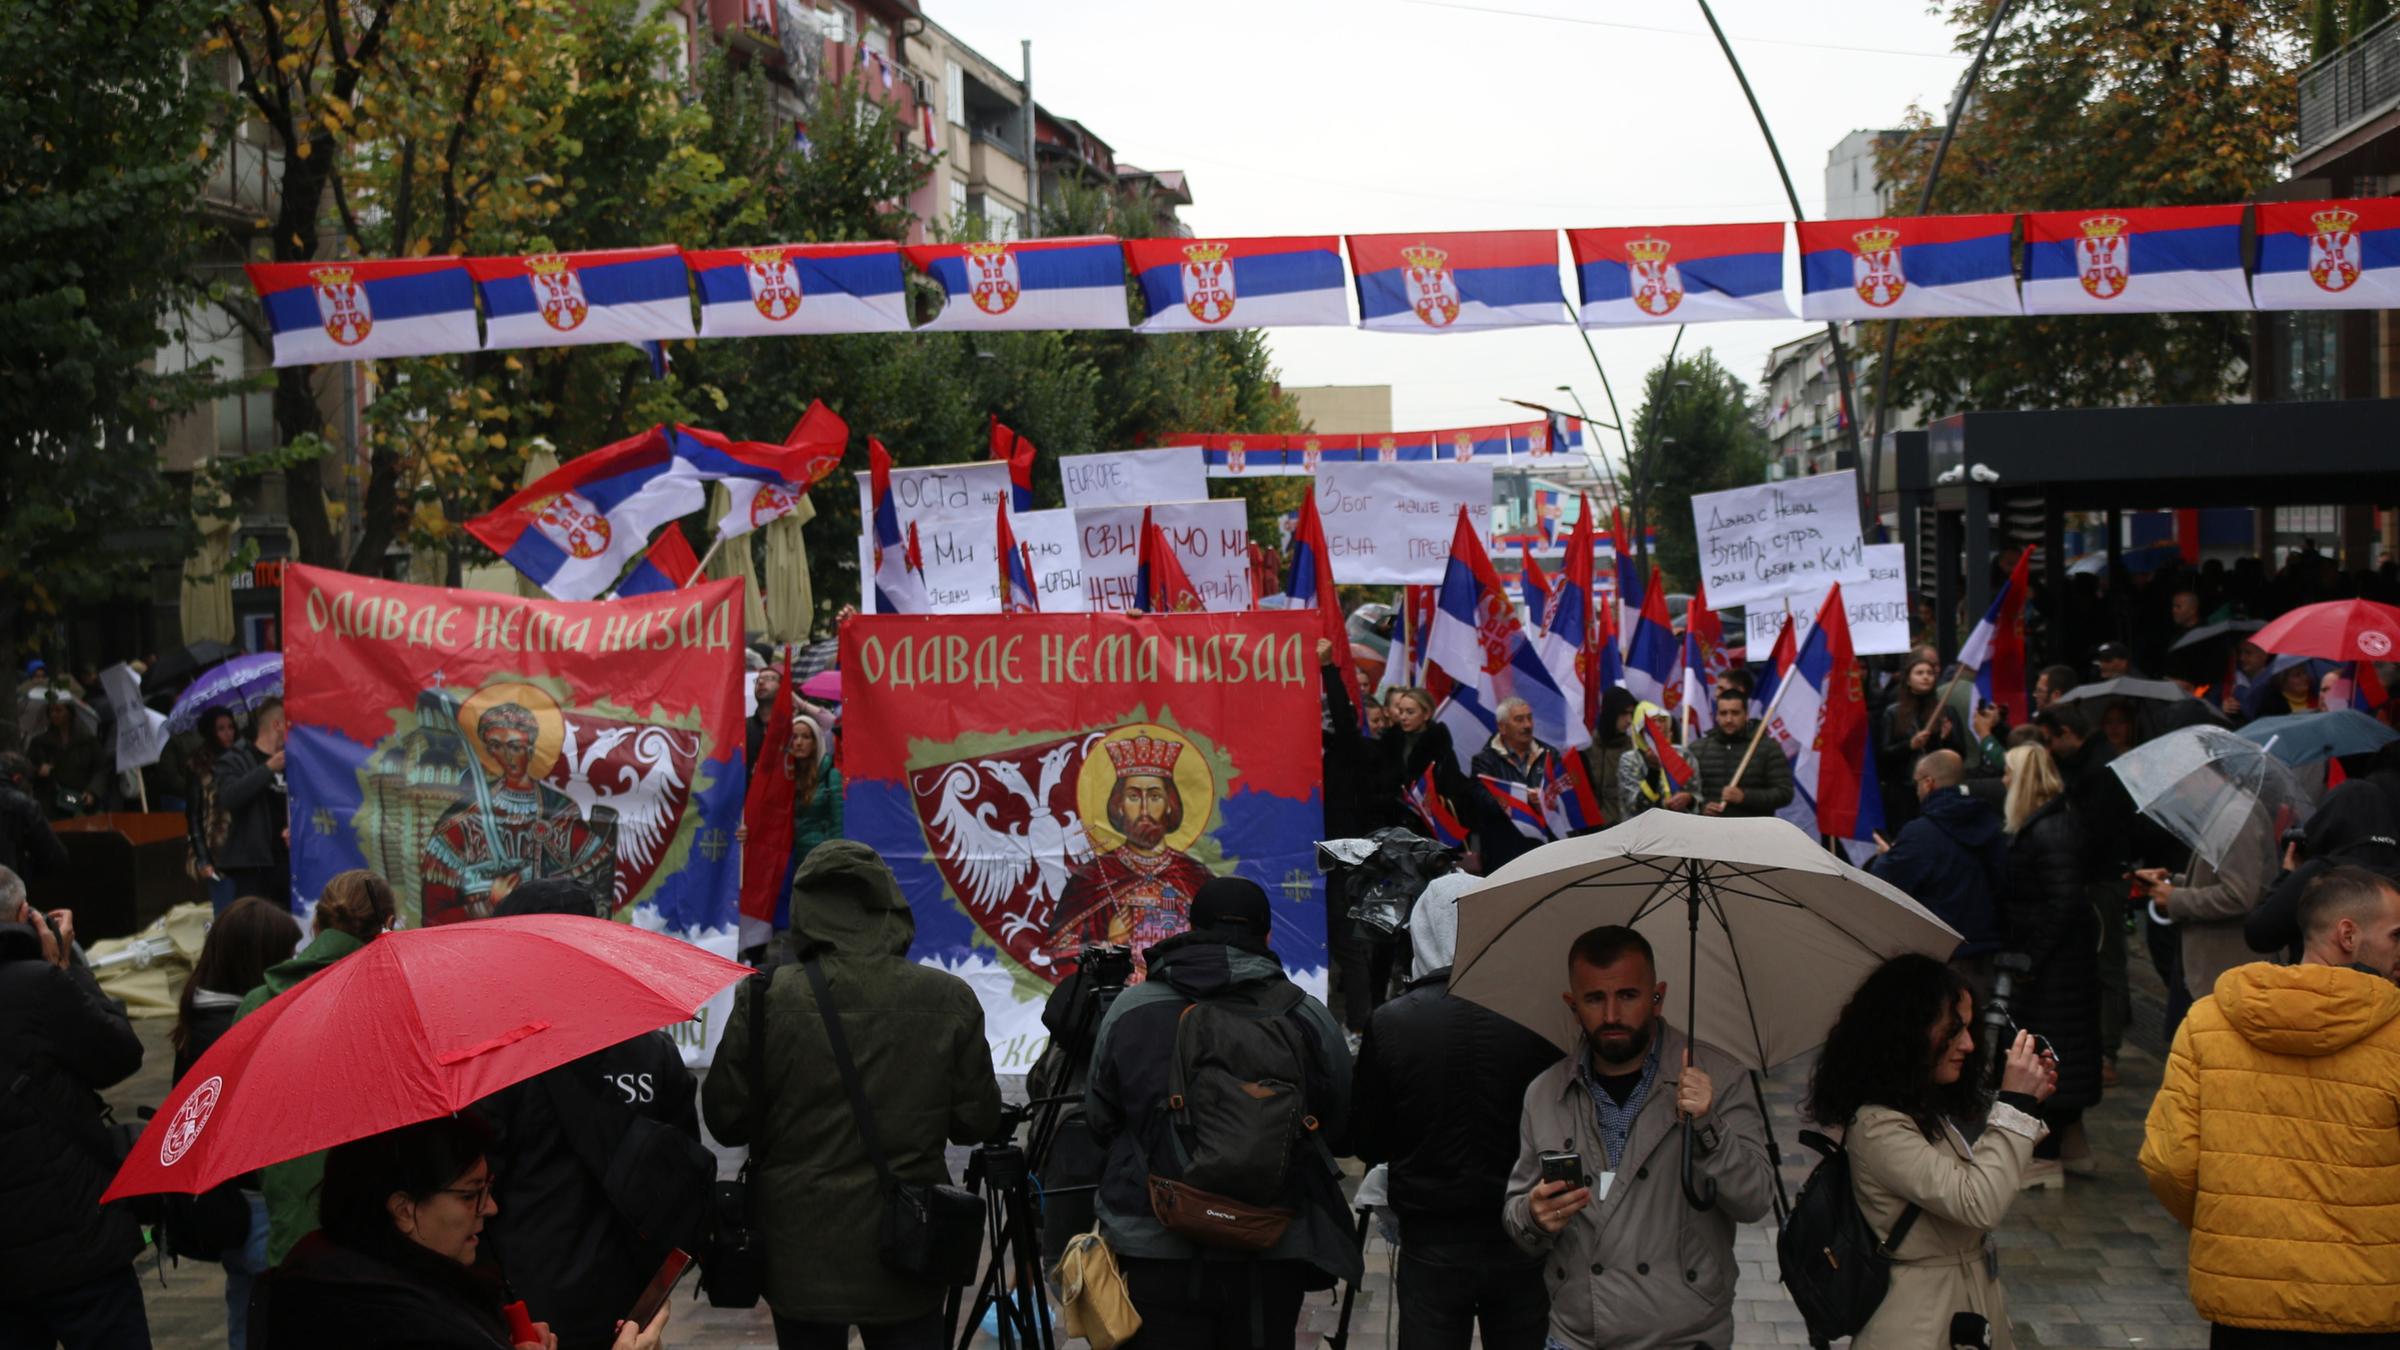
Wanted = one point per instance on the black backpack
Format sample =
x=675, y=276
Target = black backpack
x=1237, y=1112
x=1835, y=1267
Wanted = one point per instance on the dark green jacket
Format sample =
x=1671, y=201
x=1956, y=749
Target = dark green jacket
x=917, y=1036
x=1766, y=779
x=820, y=817
x=291, y=1187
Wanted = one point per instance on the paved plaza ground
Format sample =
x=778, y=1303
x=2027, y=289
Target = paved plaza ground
x=2097, y=1265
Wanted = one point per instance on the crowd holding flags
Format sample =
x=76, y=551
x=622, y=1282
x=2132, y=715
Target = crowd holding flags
x=1160, y=585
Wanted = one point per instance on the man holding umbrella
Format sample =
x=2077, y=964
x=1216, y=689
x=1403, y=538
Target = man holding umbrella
x=1631, y=1262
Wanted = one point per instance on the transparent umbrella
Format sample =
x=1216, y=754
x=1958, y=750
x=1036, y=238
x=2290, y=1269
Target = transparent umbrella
x=2206, y=786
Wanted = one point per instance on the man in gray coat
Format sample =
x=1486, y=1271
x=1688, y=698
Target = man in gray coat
x=1630, y=1263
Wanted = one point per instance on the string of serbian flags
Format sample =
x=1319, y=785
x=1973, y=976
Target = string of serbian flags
x=2267, y=256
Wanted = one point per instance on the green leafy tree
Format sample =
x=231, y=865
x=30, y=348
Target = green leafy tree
x=1696, y=432
x=107, y=127
x=2152, y=103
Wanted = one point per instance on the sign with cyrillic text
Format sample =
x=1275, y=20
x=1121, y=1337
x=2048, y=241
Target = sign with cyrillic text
x=1391, y=524
x=1793, y=538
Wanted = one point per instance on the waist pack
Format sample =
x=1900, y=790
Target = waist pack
x=929, y=1232
x=1237, y=1112
x=1835, y=1267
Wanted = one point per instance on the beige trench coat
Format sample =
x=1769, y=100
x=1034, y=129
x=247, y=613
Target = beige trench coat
x=1941, y=1269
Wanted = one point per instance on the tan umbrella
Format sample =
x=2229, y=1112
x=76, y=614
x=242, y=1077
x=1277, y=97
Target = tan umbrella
x=1769, y=931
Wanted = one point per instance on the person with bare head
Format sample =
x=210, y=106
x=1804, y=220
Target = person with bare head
x=256, y=853
x=1514, y=755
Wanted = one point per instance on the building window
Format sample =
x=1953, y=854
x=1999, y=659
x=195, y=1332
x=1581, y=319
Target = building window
x=958, y=200
x=954, y=93
x=2306, y=343
x=1002, y=220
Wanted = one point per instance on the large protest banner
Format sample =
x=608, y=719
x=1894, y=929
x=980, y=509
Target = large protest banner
x=1793, y=538
x=1134, y=477
x=1210, y=538
x=1044, y=782
x=1873, y=595
x=462, y=743
x=1391, y=524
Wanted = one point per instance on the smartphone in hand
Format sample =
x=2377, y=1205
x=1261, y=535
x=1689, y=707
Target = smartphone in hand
x=662, y=1284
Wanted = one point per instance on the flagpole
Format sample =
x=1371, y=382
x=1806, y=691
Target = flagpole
x=700, y=569
x=1782, y=687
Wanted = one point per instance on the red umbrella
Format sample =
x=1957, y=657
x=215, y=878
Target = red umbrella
x=419, y=1024
x=2340, y=630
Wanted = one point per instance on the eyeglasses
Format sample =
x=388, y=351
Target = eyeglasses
x=474, y=1195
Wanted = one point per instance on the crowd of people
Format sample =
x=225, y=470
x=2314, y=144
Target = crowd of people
x=1533, y=1188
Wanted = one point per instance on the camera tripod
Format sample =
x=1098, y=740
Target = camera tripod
x=1012, y=1284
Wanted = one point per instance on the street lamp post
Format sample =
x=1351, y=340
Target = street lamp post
x=1639, y=474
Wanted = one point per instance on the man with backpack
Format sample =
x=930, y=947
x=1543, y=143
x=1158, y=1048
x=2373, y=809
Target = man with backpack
x=1598, y=1190
x=1216, y=1087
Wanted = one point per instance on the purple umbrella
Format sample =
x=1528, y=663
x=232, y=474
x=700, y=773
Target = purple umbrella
x=243, y=682
x=825, y=686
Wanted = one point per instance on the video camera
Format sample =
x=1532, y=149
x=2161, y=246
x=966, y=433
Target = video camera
x=1999, y=1013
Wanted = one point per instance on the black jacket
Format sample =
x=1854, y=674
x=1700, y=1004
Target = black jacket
x=2097, y=796
x=254, y=810
x=2047, y=908
x=398, y=1298
x=1351, y=779
x=65, y=1041
x=577, y=1264
x=28, y=846
x=1438, y=1088
x=2356, y=826
x=1951, y=859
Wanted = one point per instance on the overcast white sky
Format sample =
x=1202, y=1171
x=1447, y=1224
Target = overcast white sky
x=1360, y=116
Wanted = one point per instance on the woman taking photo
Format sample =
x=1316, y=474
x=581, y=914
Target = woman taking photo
x=2049, y=917
x=1900, y=1074
x=394, y=1263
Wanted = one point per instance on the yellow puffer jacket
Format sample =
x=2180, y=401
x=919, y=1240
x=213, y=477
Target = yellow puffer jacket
x=2276, y=1139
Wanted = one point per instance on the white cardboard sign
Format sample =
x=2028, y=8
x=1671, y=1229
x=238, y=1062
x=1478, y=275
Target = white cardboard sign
x=1773, y=540
x=1875, y=597
x=962, y=573
x=1134, y=477
x=1391, y=524
x=940, y=492
x=141, y=733
x=1210, y=538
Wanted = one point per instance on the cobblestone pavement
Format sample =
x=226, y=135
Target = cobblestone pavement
x=2096, y=1265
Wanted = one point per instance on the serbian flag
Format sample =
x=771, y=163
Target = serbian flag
x=1405, y=447
x=1521, y=804
x=1160, y=585
x=1017, y=452
x=574, y=530
x=1018, y=594
x=357, y=310
x=898, y=567
x=1651, y=656
x=1608, y=659
x=1302, y=454
x=1454, y=283
x=2158, y=259
x=576, y=299
x=1671, y=763
x=813, y=448
x=1560, y=622
x=1197, y=285
x=1569, y=805
x=1465, y=445
x=1074, y=282
x=1770, y=678
x=1475, y=638
x=2367, y=691
x=1622, y=562
x=1835, y=770
x=1679, y=273
x=1555, y=434
x=1573, y=619
x=1995, y=651
x=1310, y=586
x=1533, y=585
x=666, y=566
x=767, y=859
x=775, y=290
x=1707, y=632
x=1242, y=456
x=2328, y=255
x=1907, y=267
x=1694, y=710
x=1441, y=822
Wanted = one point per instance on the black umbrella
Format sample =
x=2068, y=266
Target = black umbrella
x=2209, y=632
x=180, y=666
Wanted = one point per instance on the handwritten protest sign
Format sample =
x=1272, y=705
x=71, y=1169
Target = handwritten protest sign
x=1210, y=539
x=1391, y=524
x=141, y=733
x=1774, y=540
x=1134, y=477
x=963, y=577
x=942, y=492
x=1874, y=596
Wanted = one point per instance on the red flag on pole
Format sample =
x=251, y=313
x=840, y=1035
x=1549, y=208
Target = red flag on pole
x=767, y=814
x=1017, y=453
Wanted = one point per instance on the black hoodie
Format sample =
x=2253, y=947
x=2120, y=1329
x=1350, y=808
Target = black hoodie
x=2356, y=827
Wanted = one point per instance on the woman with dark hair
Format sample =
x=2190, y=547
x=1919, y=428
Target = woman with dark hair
x=246, y=939
x=1900, y=1074
x=204, y=819
x=1612, y=740
x=392, y=1263
x=1914, y=725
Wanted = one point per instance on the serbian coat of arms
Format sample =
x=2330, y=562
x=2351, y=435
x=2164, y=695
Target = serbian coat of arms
x=774, y=286
x=1432, y=287
x=1208, y=282
x=1875, y=269
x=992, y=277
x=342, y=305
